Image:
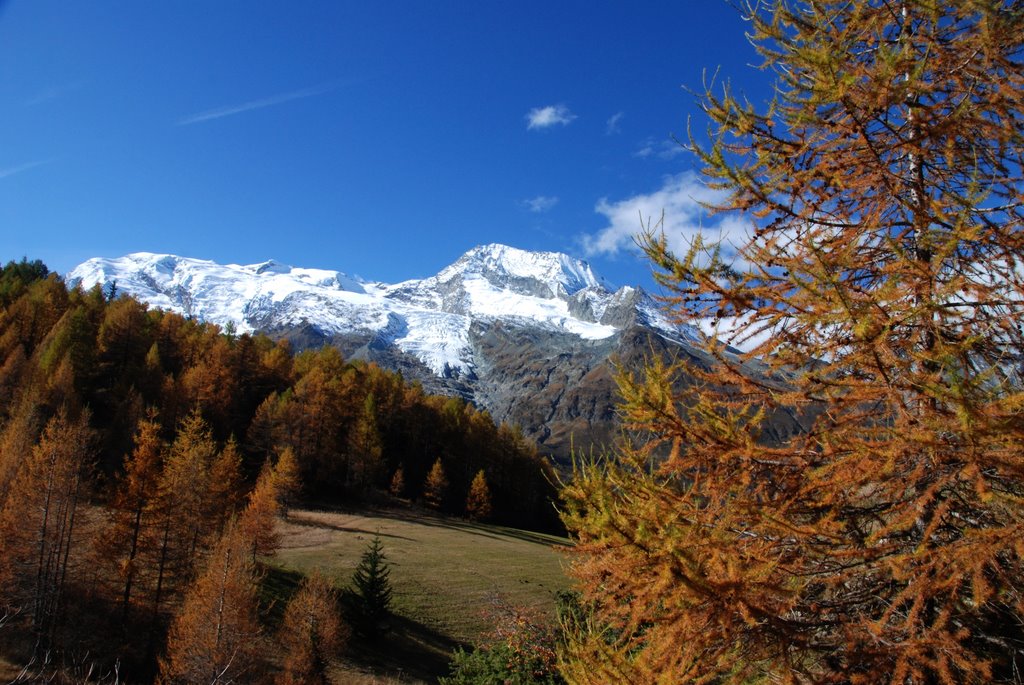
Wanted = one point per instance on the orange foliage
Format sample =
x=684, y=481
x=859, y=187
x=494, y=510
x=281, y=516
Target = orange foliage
x=125, y=536
x=214, y=637
x=287, y=478
x=435, y=488
x=258, y=521
x=478, y=501
x=311, y=633
x=37, y=522
x=879, y=295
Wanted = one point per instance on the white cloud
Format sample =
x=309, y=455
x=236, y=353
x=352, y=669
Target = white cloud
x=612, y=125
x=663, y=149
x=280, y=98
x=680, y=199
x=645, y=150
x=545, y=117
x=11, y=171
x=540, y=204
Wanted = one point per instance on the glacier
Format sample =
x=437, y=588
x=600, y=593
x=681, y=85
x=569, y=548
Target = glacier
x=429, y=319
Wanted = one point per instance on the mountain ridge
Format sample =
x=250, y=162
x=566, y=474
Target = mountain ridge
x=529, y=336
x=428, y=317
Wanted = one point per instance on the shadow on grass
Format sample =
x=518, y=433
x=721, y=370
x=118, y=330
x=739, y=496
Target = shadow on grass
x=409, y=649
x=276, y=588
x=486, y=530
x=298, y=521
x=402, y=510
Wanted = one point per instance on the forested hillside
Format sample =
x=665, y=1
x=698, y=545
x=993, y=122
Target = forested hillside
x=135, y=444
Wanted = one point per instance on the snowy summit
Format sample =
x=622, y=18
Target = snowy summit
x=428, y=318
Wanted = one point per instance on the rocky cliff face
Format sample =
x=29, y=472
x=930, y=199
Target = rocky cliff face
x=529, y=336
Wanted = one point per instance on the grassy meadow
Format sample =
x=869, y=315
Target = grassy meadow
x=445, y=573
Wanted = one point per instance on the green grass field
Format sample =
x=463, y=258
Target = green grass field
x=445, y=574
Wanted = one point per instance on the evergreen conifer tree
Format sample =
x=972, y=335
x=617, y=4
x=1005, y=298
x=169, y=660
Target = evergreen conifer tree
x=371, y=588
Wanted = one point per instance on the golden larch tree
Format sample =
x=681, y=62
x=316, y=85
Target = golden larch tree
x=365, y=447
x=125, y=535
x=180, y=511
x=258, y=521
x=397, y=487
x=435, y=488
x=38, y=522
x=17, y=437
x=311, y=633
x=478, y=500
x=288, y=478
x=878, y=297
x=226, y=491
x=213, y=638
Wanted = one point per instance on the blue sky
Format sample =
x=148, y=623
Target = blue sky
x=379, y=138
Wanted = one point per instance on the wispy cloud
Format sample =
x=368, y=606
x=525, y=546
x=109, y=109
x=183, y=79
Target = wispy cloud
x=540, y=204
x=546, y=117
x=662, y=149
x=679, y=198
x=273, y=100
x=11, y=171
x=53, y=92
x=612, y=125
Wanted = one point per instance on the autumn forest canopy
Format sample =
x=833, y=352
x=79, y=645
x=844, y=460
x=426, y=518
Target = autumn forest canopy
x=351, y=425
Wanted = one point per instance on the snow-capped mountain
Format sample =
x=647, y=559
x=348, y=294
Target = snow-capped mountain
x=429, y=319
x=527, y=335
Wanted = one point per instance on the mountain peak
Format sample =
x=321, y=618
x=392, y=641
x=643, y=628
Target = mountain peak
x=545, y=274
x=271, y=266
x=431, y=319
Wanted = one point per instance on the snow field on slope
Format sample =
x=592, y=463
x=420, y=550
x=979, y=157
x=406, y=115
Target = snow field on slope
x=486, y=301
x=428, y=318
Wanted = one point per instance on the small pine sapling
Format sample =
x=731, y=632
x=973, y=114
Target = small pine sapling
x=370, y=595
